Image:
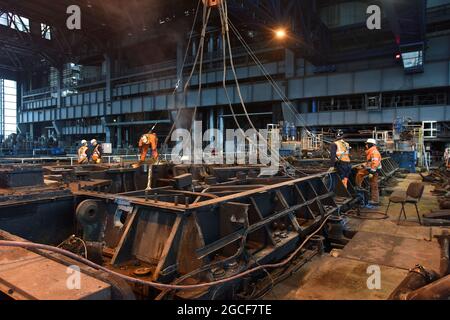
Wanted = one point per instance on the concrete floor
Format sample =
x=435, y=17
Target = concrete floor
x=343, y=275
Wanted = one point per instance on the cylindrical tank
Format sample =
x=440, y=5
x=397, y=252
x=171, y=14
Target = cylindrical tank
x=293, y=132
x=286, y=130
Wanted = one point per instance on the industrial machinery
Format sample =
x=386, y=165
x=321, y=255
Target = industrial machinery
x=202, y=232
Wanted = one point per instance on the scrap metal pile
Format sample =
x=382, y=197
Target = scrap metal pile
x=441, y=179
x=201, y=232
x=423, y=284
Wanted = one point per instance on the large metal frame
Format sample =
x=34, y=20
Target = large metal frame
x=229, y=226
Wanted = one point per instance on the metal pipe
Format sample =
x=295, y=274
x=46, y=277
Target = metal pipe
x=438, y=290
x=416, y=278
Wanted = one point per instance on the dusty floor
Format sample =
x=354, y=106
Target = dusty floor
x=379, y=243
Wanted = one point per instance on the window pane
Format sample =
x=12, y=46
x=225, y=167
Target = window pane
x=4, y=19
x=10, y=112
x=9, y=90
x=10, y=101
x=10, y=84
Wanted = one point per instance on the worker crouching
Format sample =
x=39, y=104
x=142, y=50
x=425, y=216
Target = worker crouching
x=82, y=153
x=372, y=169
x=148, y=141
x=340, y=157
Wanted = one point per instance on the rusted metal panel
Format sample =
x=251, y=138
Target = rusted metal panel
x=43, y=279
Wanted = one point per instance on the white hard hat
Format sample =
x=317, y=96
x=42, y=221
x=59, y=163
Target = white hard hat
x=83, y=142
x=372, y=141
x=93, y=141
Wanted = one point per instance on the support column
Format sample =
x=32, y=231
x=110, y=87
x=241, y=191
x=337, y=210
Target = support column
x=107, y=104
x=108, y=135
x=289, y=63
x=221, y=126
x=107, y=131
x=211, y=122
x=31, y=131
x=59, y=87
x=108, y=90
x=119, y=133
x=127, y=137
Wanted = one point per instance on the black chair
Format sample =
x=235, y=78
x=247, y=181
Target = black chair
x=412, y=195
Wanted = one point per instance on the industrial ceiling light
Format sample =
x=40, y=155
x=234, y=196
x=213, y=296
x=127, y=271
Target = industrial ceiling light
x=280, y=33
x=211, y=3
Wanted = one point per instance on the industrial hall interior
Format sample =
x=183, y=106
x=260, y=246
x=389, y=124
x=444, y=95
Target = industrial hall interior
x=208, y=150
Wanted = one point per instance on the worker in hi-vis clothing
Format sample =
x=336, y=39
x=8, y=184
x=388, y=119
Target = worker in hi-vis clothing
x=447, y=158
x=148, y=141
x=82, y=155
x=372, y=168
x=340, y=157
x=95, y=152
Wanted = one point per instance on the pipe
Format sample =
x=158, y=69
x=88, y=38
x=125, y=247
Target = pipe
x=438, y=290
x=416, y=278
x=444, y=267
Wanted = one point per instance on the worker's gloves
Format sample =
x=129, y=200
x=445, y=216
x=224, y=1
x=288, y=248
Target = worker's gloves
x=330, y=170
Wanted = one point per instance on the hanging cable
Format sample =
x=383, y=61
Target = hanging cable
x=274, y=84
x=223, y=5
x=267, y=75
x=206, y=15
x=180, y=75
x=186, y=86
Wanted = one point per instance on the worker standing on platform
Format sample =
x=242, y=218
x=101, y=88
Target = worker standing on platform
x=340, y=157
x=372, y=168
x=95, y=152
x=447, y=158
x=148, y=141
x=82, y=153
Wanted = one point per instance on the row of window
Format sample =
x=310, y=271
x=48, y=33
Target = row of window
x=378, y=101
x=22, y=24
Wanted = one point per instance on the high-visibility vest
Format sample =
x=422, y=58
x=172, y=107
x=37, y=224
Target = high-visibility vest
x=96, y=156
x=447, y=157
x=343, y=151
x=373, y=158
x=82, y=156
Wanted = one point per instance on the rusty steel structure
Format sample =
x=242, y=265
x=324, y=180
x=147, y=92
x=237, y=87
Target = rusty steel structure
x=202, y=232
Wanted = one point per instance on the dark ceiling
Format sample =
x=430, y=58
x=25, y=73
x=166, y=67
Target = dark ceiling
x=103, y=24
x=110, y=24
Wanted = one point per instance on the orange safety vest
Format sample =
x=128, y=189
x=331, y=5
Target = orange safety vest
x=373, y=158
x=447, y=158
x=343, y=151
x=96, y=156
